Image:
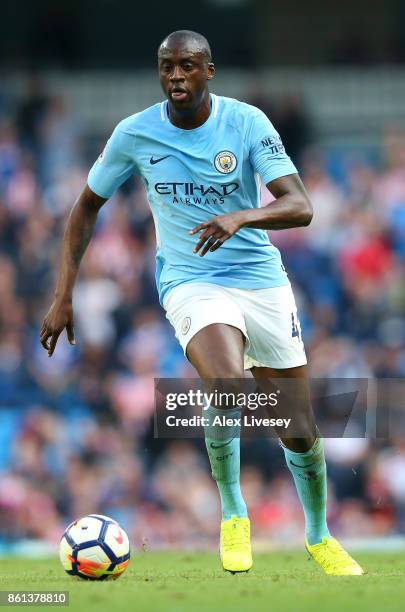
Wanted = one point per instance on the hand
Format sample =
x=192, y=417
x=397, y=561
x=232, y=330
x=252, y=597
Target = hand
x=217, y=230
x=59, y=316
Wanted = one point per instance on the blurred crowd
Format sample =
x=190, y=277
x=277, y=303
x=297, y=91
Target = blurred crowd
x=76, y=431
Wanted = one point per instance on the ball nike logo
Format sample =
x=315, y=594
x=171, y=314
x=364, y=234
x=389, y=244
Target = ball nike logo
x=119, y=539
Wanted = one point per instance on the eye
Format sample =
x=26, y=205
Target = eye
x=187, y=67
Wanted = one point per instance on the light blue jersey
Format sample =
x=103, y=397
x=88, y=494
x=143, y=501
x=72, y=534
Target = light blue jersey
x=192, y=175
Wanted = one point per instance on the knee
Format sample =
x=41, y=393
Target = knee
x=223, y=369
x=226, y=381
x=229, y=383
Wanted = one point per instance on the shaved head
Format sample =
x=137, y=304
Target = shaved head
x=187, y=40
x=185, y=68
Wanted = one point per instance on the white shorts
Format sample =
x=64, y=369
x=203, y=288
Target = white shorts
x=267, y=317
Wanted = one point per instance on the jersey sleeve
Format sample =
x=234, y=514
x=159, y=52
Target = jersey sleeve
x=266, y=150
x=115, y=164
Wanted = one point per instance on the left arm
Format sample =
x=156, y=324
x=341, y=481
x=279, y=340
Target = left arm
x=292, y=208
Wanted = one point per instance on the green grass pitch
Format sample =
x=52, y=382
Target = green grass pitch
x=193, y=582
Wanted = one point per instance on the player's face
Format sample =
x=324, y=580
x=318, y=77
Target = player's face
x=183, y=76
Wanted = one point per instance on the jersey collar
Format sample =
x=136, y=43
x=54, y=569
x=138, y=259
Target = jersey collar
x=164, y=114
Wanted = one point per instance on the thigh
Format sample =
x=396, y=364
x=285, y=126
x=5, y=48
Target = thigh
x=210, y=327
x=216, y=352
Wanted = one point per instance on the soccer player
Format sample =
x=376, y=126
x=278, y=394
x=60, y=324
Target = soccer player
x=220, y=280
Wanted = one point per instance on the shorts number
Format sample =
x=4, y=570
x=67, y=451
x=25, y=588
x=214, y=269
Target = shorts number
x=295, y=331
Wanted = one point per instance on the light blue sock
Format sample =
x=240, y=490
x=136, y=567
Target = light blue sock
x=309, y=473
x=223, y=446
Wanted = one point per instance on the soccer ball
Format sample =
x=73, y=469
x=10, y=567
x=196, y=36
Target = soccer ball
x=94, y=547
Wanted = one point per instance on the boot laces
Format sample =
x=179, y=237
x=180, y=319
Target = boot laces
x=236, y=537
x=339, y=556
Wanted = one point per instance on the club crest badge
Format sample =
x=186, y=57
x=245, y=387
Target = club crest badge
x=225, y=162
x=185, y=325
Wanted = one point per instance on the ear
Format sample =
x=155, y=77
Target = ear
x=211, y=71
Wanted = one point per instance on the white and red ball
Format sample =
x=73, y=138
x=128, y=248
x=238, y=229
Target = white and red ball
x=95, y=547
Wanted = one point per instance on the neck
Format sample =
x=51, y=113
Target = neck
x=191, y=118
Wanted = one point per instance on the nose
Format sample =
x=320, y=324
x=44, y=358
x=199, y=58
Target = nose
x=177, y=74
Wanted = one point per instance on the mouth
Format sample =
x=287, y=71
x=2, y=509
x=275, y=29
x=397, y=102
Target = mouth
x=178, y=95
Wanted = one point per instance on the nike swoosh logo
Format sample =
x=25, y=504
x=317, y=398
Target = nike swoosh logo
x=119, y=539
x=304, y=467
x=159, y=159
x=215, y=446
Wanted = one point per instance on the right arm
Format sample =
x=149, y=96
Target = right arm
x=78, y=232
x=111, y=169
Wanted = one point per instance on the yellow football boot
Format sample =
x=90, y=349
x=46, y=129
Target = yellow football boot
x=235, y=549
x=333, y=558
